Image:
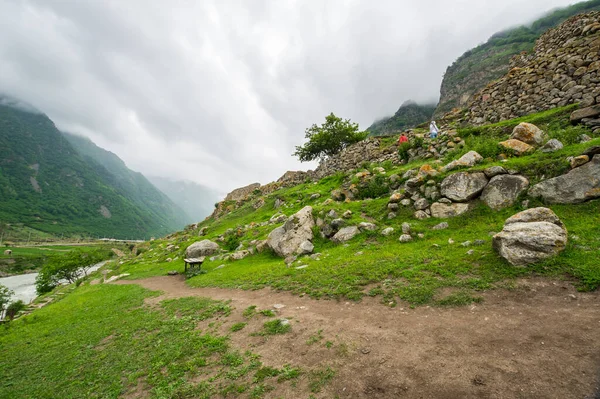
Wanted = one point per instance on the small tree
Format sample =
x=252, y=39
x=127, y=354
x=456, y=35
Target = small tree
x=328, y=139
x=5, y=295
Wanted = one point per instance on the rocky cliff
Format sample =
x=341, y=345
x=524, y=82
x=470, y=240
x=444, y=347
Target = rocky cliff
x=410, y=114
x=564, y=68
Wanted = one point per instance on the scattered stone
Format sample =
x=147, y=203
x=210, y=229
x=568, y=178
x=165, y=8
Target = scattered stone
x=466, y=244
x=202, y=248
x=393, y=206
x=347, y=214
x=503, y=190
x=552, y=145
x=346, y=234
x=531, y=236
x=405, y=238
x=444, y=211
x=517, y=146
x=220, y=267
x=470, y=159
x=172, y=273
x=286, y=240
x=239, y=255
x=338, y=223
x=470, y=252
x=578, y=185
x=479, y=242
x=278, y=203
x=169, y=260
x=305, y=248
x=315, y=196
x=579, y=161
x=391, y=215
x=528, y=133
x=494, y=171
x=406, y=228
x=440, y=226
x=301, y=267
x=316, y=256
x=278, y=218
x=278, y=306
x=584, y=138
x=406, y=202
x=421, y=235
x=359, y=253
x=332, y=214
x=421, y=204
x=462, y=186
x=421, y=215
x=387, y=231
x=589, y=112
x=450, y=241
x=367, y=226
x=395, y=198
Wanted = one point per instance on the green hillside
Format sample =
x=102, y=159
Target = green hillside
x=196, y=200
x=410, y=114
x=133, y=185
x=45, y=184
x=477, y=67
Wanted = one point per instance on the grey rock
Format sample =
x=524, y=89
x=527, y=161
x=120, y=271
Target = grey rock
x=462, y=186
x=531, y=236
x=306, y=247
x=494, y=171
x=387, y=231
x=444, y=201
x=315, y=196
x=405, y=238
x=347, y=214
x=406, y=202
x=466, y=244
x=591, y=151
x=440, y=226
x=584, y=138
x=479, y=242
x=278, y=218
x=578, y=185
x=332, y=214
x=239, y=255
x=346, y=234
x=405, y=228
x=528, y=133
x=421, y=204
x=443, y=211
x=421, y=215
x=393, y=206
x=503, y=190
x=391, y=215
x=367, y=226
x=337, y=223
x=552, y=145
x=202, y=248
x=286, y=240
x=469, y=159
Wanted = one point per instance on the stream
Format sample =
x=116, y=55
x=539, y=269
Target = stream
x=24, y=284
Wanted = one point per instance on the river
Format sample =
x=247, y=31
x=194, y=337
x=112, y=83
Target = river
x=24, y=284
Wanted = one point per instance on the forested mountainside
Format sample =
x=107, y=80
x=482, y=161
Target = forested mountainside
x=196, y=200
x=410, y=114
x=46, y=184
x=477, y=67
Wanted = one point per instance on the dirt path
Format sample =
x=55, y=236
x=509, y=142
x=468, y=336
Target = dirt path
x=539, y=341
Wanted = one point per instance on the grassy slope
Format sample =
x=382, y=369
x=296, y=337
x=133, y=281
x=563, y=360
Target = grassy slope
x=408, y=115
x=415, y=272
x=101, y=342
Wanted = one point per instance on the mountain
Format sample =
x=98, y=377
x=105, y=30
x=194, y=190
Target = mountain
x=133, y=185
x=410, y=114
x=477, y=67
x=196, y=200
x=48, y=185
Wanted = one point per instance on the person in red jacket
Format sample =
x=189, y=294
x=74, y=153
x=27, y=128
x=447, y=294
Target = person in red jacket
x=403, y=139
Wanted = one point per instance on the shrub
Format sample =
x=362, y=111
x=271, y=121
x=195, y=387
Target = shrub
x=14, y=308
x=375, y=187
x=5, y=295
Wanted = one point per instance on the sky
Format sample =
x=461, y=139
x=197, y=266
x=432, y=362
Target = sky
x=220, y=92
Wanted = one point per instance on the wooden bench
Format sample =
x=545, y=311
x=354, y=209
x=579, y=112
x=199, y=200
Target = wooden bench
x=194, y=263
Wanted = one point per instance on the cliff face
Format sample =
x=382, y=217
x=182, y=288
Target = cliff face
x=564, y=68
x=410, y=114
x=479, y=66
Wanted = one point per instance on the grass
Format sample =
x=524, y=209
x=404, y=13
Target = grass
x=101, y=341
x=276, y=327
x=237, y=327
x=319, y=378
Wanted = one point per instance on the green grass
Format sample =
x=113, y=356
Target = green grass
x=237, y=327
x=276, y=327
x=319, y=378
x=102, y=342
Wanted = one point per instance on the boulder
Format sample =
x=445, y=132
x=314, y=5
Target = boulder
x=405, y=238
x=528, y=133
x=503, y=190
x=421, y=204
x=552, y=145
x=443, y=211
x=286, y=240
x=346, y=234
x=202, y=248
x=387, y=231
x=305, y=248
x=441, y=226
x=395, y=198
x=531, y=236
x=517, y=146
x=462, y=186
x=406, y=228
x=469, y=159
x=421, y=215
x=589, y=112
x=367, y=226
x=579, y=161
x=494, y=171
x=578, y=185
x=239, y=255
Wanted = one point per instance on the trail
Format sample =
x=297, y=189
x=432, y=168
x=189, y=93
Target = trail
x=541, y=340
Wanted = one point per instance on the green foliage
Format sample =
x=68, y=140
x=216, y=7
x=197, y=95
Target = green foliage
x=69, y=267
x=375, y=187
x=14, y=308
x=237, y=327
x=5, y=295
x=267, y=313
x=328, y=139
x=232, y=241
x=249, y=312
x=275, y=327
x=410, y=114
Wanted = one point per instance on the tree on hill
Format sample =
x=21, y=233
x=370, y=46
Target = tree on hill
x=329, y=139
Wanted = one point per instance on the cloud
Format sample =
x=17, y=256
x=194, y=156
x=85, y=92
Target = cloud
x=220, y=91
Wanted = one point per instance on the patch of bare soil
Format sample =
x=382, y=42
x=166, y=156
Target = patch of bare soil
x=541, y=340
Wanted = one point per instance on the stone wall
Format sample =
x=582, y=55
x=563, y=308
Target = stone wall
x=564, y=68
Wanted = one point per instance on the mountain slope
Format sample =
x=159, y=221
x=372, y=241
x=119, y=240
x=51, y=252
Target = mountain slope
x=477, y=67
x=196, y=200
x=47, y=185
x=133, y=185
x=410, y=114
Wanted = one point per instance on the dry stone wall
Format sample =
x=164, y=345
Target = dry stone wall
x=563, y=69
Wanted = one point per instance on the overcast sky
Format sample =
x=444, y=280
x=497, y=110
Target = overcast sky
x=219, y=91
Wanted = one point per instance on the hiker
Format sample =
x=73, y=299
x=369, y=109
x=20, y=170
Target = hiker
x=402, y=139
x=433, y=130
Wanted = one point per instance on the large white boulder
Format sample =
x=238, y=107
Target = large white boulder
x=202, y=248
x=503, y=190
x=291, y=238
x=462, y=186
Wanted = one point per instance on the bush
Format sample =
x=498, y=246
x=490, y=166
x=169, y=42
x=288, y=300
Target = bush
x=14, y=308
x=232, y=241
x=5, y=295
x=375, y=187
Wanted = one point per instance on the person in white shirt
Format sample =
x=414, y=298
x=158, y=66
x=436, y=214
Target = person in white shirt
x=433, y=130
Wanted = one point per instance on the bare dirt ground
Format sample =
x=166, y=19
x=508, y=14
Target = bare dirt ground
x=541, y=340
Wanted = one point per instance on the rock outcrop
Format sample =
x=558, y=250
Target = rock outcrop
x=292, y=237
x=202, y=248
x=531, y=236
x=503, y=190
x=463, y=186
x=578, y=185
x=563, y=69
x=242, y=192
